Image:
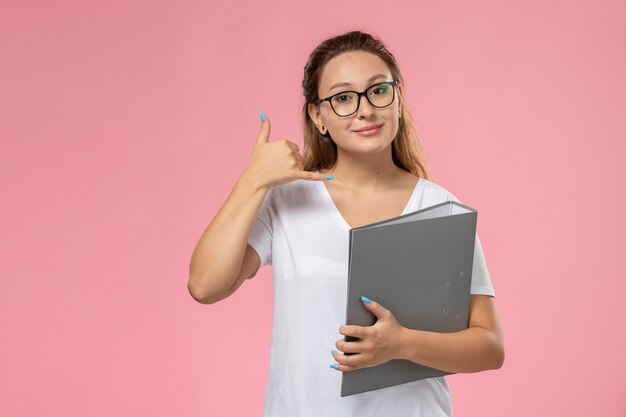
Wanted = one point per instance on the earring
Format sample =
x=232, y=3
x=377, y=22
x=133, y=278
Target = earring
x=324, y=130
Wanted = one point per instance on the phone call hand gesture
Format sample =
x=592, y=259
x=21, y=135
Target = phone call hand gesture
x=277, y=162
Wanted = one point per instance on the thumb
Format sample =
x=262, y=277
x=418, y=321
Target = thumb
x=378, y=310
x=264, y=131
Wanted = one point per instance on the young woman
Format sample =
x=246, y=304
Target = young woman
x=361, y=164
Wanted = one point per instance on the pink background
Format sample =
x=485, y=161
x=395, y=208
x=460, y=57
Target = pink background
x=124, y=125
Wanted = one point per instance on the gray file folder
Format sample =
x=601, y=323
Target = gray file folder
x=419, y=266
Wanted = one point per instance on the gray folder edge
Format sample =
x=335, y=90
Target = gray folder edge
x=437, y=245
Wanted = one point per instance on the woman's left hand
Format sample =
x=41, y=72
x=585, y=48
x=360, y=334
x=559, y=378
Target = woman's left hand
x=377, y=344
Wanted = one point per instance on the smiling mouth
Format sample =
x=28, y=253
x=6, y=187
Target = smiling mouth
x=368, y=128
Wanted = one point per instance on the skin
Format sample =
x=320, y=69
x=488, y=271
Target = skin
x=366, y=177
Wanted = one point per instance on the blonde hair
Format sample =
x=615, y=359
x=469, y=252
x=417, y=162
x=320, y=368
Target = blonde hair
x=320, y=152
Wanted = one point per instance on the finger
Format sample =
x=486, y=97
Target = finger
x=351, y=330
x=344, y=368
x=349, y=364
x=264, y=131
x=313, y=176
x=378, y=310
x=293, y=146
x=351, y=361
x=350, y=348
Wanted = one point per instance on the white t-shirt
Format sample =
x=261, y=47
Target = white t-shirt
x=302, y=234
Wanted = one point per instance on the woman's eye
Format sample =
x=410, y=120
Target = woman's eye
x=379, y=90
x=342, y=98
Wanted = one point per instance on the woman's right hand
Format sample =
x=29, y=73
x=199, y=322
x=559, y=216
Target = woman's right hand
x=278, y=162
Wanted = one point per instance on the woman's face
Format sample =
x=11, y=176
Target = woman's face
x=356, y=71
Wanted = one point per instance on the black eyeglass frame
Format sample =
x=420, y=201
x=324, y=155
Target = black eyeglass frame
x=393, y=83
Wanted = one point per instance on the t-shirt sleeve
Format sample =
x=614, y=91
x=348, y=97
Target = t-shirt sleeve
x=481, y=282
x=260, y=237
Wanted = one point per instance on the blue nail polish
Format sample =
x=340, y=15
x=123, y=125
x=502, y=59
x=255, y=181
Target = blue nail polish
x=330, y=177
x=365, y=299
x=334, y=366
x=332, y=352
x=262, y=116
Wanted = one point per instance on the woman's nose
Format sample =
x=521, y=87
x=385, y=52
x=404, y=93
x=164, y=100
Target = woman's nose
x=365, y=108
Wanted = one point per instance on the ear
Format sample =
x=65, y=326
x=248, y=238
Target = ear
x=316, y=117
x=400, y=89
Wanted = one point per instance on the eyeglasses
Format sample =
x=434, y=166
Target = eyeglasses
x=347, y=103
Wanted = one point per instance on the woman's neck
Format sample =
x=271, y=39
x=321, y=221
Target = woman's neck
x=371, y=172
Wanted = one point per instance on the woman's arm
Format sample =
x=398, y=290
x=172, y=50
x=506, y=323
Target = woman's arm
x=222, y=258
x=478, y=348
x=217, y=260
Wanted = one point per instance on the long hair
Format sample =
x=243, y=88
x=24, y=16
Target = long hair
x=320, y=152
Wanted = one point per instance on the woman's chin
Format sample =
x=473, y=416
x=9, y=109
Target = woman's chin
x=370, y=147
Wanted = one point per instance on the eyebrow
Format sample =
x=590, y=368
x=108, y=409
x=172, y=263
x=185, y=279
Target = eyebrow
x=369, y=80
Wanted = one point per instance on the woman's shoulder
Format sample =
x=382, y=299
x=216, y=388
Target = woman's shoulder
x=434, y=191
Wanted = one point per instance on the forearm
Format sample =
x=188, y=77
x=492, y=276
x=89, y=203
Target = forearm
x=216, y=261
x=472, y=350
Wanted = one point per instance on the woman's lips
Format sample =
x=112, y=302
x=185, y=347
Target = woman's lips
x=369, y=132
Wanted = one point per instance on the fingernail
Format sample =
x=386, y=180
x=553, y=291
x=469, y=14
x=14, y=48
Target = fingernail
x=365, y=299
x=262, y=116
x=332, y=352
x=330, y=177
x=334, y=366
